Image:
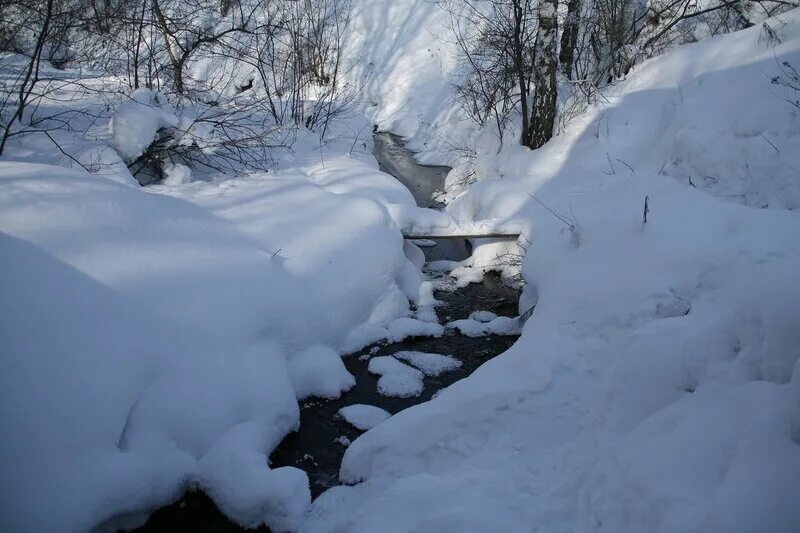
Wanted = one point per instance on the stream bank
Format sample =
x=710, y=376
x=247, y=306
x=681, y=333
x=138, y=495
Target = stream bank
x=319, y=445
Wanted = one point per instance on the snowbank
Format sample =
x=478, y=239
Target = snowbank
x=616, y=407
x=656, y=386
x=159, y=338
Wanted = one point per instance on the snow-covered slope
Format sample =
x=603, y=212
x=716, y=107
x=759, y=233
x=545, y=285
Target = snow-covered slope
x=401, y=57
x=706, y=114
x=656, y=386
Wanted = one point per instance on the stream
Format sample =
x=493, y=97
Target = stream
x=316, y=447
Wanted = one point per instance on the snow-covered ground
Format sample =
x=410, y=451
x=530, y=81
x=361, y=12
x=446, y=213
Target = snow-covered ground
x=656, y=385
x=156, y=339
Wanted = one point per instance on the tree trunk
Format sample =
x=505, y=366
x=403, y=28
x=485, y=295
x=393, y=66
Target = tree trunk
x=543, y=115
x=569, y=37
x=519, y=66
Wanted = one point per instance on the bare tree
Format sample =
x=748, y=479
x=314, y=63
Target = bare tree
x=494, y=40
x=21, y=89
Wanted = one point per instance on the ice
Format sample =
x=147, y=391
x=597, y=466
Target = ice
x=432, y=364
x=362, y=416
x=397, y=379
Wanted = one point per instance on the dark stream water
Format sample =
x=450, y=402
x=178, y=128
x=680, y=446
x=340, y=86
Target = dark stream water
x=315, y=447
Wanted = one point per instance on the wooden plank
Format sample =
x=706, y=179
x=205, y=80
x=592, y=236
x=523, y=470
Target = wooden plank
x=495, y=235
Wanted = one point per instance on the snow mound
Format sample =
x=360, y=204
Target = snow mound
x=135, y=123
x=432, y=364
x=245, y=489
x=397, y=379
x=319, y=371
x=363, y=416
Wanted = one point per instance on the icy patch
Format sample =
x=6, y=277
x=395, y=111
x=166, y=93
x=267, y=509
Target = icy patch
x=397, y=379
x=362, y=416
x=424, y=243
x=432, y=364
x=501, y=325
x=319, y=371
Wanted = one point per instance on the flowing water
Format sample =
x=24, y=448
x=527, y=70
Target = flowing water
x=316, y=447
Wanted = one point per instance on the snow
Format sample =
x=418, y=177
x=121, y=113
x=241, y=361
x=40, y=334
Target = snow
x=501, y=325
x=136, y=123
x=183, y=323
x=464, y=275
x=402, y=328
x=656, y=385
x=362, y=416
x=397, y=379
x=482, y=316
x=432, y=364
x=426, y=303
x=319, y=371
x=157, y=339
